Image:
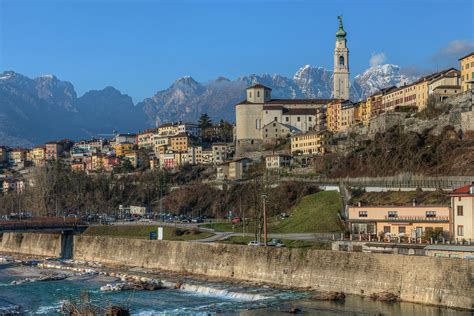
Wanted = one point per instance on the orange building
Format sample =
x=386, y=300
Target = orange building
x=53, y=150
x=180, y=142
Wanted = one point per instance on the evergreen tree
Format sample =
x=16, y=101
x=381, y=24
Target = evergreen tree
x=205, y=121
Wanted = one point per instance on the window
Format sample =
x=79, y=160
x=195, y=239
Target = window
x=402, y=230
x=386, y=229
x=298, y=119
x=250, y=94
x=276, y=119
x=341, y=60
x=431, y=214
x=392, y=214
x=258, y=94
x=460, y=230
x=287, y=119
x=362, y=213
x=309, y=119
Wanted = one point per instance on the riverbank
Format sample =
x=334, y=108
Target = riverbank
x=182, y=293
x=412, y=279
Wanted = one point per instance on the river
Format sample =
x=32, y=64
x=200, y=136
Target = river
x=197, y=297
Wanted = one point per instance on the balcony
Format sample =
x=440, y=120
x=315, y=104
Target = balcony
x=434, y=219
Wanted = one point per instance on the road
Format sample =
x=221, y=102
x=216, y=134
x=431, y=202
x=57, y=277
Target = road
x=293, y=236
x=219, y=236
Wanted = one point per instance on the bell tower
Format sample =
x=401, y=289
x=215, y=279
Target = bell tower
x=341, y=65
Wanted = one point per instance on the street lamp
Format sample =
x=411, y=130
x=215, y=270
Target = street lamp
x=264, y=198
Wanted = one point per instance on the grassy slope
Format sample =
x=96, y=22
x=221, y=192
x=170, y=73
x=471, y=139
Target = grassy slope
x=316, y=213
x=399, y=198
x=143, y=232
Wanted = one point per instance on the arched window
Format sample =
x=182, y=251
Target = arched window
x=341, y=60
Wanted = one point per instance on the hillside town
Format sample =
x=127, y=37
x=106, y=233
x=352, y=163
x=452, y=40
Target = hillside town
x=281, y=135
x=339, y=196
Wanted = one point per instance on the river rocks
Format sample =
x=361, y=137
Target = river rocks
x=43, y=278
x=148, y=285
x=330, y=296
x=385, y=297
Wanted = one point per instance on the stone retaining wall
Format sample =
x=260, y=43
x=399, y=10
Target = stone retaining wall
x=428, y=280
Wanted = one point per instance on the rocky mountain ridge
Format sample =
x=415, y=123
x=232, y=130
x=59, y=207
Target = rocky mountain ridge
x=33, y=111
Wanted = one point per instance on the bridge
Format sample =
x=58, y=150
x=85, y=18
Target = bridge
x=43, y=225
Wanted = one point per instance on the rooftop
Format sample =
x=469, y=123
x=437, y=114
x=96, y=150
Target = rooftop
x=258, y=85
x=466, y=56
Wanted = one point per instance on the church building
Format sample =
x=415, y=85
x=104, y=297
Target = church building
x=259, y=117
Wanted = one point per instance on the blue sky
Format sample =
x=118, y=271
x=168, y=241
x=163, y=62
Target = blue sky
x=141, y=47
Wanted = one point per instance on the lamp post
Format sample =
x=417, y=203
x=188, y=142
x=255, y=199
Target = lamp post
x=264, y=197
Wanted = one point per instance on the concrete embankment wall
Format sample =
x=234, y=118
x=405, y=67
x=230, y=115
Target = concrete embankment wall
x=428, y=280
x=48, y=245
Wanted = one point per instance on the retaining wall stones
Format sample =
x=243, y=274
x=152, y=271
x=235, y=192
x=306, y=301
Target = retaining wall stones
x=428, y=280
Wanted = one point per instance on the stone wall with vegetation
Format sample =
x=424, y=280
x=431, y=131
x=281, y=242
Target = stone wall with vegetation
x=428, y=280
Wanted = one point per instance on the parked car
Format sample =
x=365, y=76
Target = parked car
x=236, y=220
x=276, y=243
x=255, y=243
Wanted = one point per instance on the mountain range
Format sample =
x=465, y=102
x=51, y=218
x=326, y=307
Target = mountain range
x=33, y=111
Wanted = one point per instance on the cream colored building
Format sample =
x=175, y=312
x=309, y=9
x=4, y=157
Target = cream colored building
x=233, y=170
x=145, y=139
x=462, y=205
x=274, y=131
x=259, y=110
x=277, y=161
x=467, y=71
x=311, y=143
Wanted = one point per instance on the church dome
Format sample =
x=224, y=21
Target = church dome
x=340, y=34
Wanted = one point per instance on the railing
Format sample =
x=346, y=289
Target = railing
x=417, y=219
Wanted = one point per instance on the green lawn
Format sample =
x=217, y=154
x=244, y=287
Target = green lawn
x=316, y=213
x=143, y=232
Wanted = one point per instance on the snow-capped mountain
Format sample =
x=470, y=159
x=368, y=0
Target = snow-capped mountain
x=378, y=77
x=32, y=102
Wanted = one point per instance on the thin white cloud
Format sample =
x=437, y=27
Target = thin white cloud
x=449, y=54
x=377, y=59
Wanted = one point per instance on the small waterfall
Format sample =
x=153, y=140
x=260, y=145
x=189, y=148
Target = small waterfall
x=210, y=291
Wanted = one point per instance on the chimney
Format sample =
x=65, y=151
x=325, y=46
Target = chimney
x=414, y=202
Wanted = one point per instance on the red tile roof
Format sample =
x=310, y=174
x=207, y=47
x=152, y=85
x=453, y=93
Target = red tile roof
x=462, y=190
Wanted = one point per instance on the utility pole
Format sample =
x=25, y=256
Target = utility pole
x=264, y=197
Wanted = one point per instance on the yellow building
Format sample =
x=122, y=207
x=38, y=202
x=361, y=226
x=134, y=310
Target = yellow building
x=122, y=149
x=416, y=95
x=314, y=142
x=340, y=115
x=467, y=71
x=38, y=155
